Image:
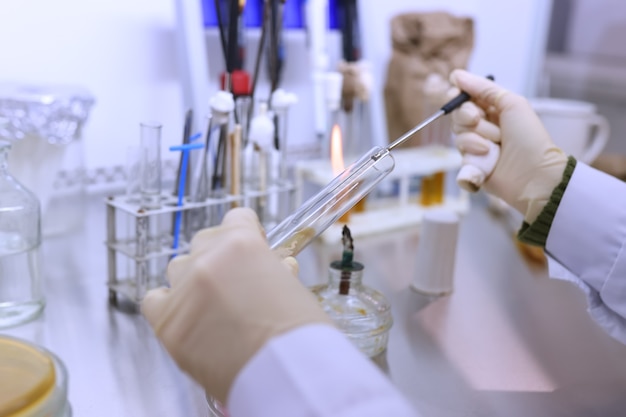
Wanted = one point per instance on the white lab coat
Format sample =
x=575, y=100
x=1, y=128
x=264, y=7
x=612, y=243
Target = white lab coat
x=586, y=244
x=315, y=372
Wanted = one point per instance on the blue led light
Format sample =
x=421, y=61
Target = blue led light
x=253, y=14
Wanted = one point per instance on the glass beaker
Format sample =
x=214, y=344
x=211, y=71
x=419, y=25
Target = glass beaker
x=360, y=312
x=33, y=383
x=21, y=294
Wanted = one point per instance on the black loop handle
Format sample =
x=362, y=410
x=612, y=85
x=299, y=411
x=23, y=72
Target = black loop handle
x=456, y=102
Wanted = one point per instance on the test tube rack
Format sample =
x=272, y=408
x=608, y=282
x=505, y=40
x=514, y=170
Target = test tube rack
x=140, y=242
x=395, y=210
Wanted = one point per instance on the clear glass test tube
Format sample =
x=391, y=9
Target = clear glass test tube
x=243, y=105
x=326, y=207
x=151, y=165
x=353, y=137
x=133, y=174
x=281, y=117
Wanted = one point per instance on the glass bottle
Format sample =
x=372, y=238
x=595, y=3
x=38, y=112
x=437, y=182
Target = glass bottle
x=360, y=312
x=21, y=295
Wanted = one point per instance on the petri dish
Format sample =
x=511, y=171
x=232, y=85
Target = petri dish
x=33, y=383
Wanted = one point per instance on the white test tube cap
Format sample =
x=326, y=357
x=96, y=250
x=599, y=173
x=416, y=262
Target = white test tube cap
x=436, y=253
x=282, y=100
x=262, y=129
x=221, y=103
x=333, y=83
x=476, y=168
x=470, y=178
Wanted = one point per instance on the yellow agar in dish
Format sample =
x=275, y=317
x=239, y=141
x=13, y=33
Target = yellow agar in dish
x=27, y=377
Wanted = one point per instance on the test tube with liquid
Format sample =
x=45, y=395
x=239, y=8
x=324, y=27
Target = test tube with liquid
x=433, y=135
x=326, y=207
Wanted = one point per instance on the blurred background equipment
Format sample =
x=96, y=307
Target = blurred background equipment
x=45, y=123
x=423, y=44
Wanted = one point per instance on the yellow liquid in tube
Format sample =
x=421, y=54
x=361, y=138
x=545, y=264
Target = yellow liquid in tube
x=358, y=208
x=27, y=378
x=433, y=189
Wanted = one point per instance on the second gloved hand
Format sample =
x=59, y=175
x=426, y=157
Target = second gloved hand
x=530, y=165
x=228, y=297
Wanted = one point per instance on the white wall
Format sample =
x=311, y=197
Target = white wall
x=597, y=29
x=593, y=67
x=122, y=51
x=125, y=53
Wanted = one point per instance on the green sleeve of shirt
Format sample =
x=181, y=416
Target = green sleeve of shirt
x=537, y=232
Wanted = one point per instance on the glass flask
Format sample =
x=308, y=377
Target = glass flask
x=360, y=312
x=21, y=295
x=33, y=383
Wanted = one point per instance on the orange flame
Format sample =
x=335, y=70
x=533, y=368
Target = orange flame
x=336, y=151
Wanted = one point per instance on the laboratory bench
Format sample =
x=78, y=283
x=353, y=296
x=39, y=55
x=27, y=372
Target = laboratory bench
x=507, y=342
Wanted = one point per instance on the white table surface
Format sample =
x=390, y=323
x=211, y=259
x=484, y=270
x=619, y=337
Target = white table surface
x=508, y=342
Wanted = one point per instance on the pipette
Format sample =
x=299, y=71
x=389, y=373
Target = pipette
x=323, y=209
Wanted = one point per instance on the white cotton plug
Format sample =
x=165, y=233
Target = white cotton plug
x=262, y=129
x=222, y=104
x=477, y=168
x=282, y=100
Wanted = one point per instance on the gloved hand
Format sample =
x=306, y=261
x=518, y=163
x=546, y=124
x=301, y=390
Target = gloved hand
x=530, y=165
x=228, y=297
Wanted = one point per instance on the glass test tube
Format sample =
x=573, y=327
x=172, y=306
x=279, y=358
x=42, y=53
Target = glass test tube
x=323, y=209
x=151, y=165
x=243, y=107
x=281, y=117
x=353, y=122
x=434, y=135
x=333, y=119
x=133, y=174
x=352, y=146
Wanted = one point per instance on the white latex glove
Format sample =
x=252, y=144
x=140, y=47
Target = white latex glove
x=228, y=297
x=529, y=166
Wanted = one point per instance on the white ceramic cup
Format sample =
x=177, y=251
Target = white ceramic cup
x=574, y=126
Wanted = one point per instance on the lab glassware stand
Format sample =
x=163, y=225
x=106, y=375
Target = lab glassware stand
x=140, y=242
